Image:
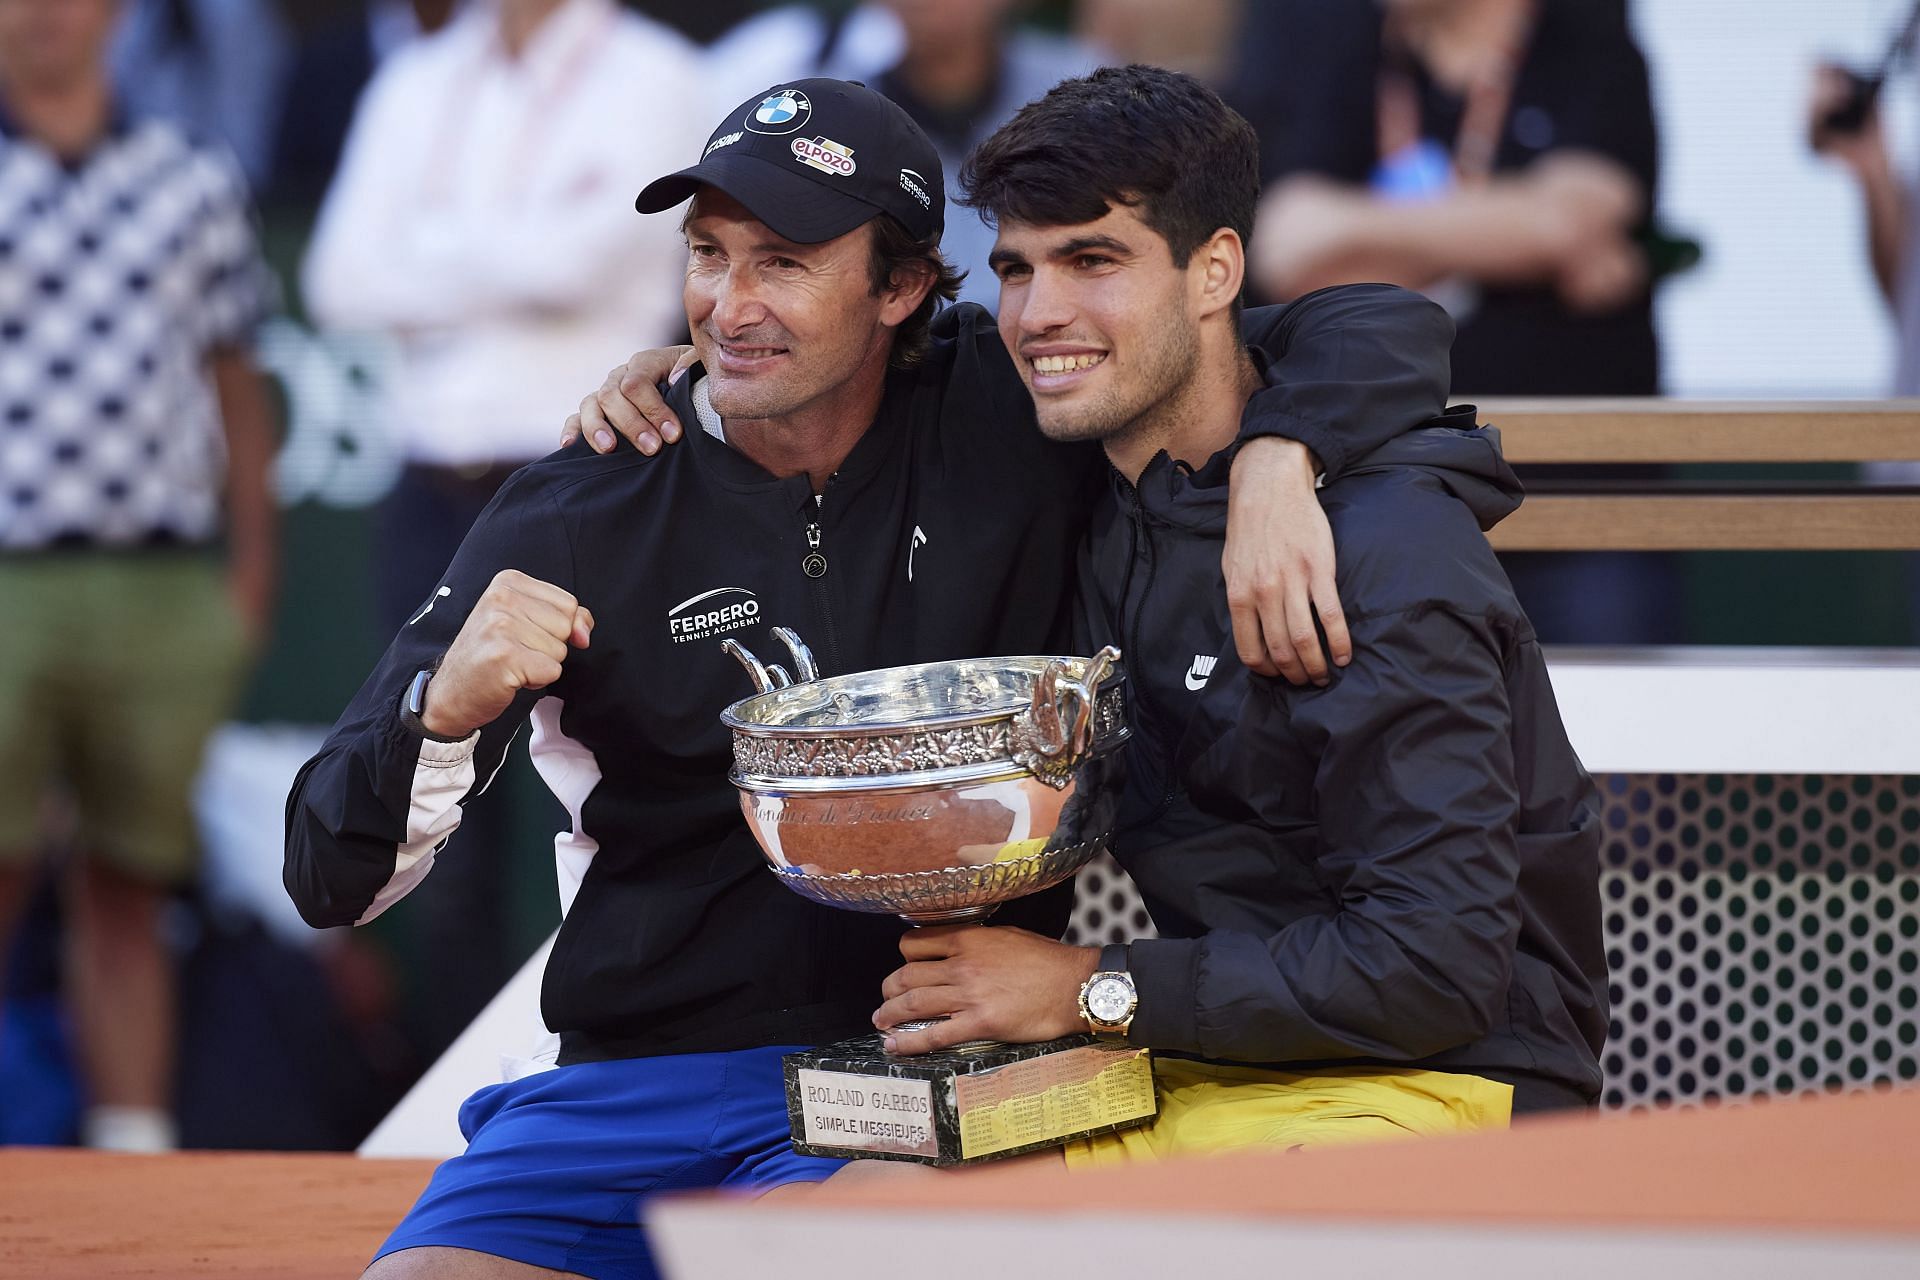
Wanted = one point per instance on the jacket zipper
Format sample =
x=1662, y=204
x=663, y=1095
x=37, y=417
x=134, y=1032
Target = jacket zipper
x=814, y=566
x=1138, y=540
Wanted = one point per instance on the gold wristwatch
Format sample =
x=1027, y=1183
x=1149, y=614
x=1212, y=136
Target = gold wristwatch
x=1108, y=998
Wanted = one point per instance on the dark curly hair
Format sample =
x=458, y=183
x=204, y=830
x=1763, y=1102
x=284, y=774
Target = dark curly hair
x=1157, y=141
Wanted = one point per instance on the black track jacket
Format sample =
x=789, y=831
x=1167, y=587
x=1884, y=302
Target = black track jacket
x=950, y=531
x=1400, y=868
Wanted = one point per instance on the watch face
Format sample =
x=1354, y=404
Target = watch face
x=1109, y=1000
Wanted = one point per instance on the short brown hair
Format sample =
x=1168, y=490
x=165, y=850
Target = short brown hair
x=895, y=250
x=1157, y=141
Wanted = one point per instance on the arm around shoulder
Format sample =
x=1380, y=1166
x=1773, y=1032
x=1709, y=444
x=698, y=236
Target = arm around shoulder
x=1351, y=367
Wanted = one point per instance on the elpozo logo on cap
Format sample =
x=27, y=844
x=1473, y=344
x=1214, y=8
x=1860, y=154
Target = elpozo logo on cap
x=825, y=154
x=781, y=111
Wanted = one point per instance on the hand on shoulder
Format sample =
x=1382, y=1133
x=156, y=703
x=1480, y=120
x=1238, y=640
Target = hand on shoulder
x=629, y=402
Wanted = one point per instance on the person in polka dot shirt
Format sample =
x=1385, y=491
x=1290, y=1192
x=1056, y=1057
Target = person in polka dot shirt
x=137, y=549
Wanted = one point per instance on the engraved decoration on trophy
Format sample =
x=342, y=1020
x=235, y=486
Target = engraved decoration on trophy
x=936, y=793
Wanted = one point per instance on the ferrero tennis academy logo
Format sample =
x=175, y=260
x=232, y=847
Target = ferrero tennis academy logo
x=712, y=613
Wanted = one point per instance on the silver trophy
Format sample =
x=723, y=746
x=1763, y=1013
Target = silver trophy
x=937, y=792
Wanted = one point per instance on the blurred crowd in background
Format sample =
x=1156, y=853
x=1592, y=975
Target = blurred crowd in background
x=288, y=287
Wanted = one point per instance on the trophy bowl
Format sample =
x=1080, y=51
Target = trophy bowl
x=934, y=792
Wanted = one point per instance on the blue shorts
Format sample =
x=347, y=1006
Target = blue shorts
x=558, y=1164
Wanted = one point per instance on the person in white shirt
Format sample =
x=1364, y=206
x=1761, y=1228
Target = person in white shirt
x=470, y=222
x=478, y=224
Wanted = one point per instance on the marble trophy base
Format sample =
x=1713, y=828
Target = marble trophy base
x=853, y=1100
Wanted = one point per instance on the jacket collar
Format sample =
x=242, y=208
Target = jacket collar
x=736, y=470
x=1194, y=498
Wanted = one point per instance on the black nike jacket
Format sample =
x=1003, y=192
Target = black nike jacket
x=1398, y=869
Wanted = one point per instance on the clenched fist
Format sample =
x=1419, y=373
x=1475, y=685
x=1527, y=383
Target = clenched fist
x=515, y=638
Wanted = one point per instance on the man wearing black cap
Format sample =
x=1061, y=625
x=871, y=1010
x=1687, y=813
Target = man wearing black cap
x=868, y=474
x=753, y=157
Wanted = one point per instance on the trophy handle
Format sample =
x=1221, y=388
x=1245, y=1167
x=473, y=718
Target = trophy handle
x=766, y=676
x=763, y=681
x=1045, y=743
x=802, y=656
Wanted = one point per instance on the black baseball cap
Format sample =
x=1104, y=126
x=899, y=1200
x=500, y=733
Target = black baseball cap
x=813, y=159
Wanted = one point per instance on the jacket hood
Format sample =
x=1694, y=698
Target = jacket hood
x=1465, y=458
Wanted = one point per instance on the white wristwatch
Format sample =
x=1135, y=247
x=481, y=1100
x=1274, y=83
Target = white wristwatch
x=1108, y=999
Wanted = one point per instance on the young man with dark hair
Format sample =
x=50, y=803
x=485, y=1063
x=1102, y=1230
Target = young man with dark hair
x=1377, y=900
x=891, y=514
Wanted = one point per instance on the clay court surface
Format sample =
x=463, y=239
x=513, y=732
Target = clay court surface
x=1838, y=1168
x=65, y=1215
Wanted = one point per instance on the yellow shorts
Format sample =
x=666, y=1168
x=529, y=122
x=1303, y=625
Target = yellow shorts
x=1207, y=1108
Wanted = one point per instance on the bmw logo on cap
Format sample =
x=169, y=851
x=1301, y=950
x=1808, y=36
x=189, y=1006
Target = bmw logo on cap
x=781, y=111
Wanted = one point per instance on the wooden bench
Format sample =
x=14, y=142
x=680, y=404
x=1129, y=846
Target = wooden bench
x=1733, y=515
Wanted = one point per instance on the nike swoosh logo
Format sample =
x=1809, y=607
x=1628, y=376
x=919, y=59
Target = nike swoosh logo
x=1197, y=683
x=919, y=540
x=438, y=596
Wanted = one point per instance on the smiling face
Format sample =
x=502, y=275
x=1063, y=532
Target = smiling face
x=782, y=326
x=1103, y=324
